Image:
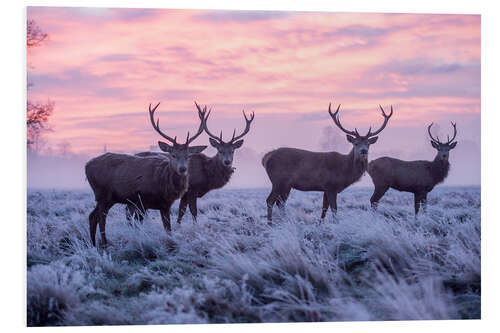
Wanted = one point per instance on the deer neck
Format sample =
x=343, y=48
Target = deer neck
x=439, y=169
x=176, y=184
x=356, y=166
x=218, y=174
x=354, y=169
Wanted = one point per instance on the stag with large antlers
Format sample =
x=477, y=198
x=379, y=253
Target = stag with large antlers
x=417, y=177
x=206, y=173
x=145, y=183
x=328, y=172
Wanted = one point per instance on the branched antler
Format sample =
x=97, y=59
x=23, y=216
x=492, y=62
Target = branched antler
x=336, y=120
x=156, y=125
x=219, y=138
x=201, y=114
x=454, y=133
x=205, y=127
x=247, y=127
x=437, y=138
x=386, y=119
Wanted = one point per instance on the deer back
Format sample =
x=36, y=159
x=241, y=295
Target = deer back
x=410, y=176
x=311, y=171
x=122, y=177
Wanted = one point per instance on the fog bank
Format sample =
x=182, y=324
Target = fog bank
x=66, y=171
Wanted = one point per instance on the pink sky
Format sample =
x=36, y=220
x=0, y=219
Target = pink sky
x=103, y=67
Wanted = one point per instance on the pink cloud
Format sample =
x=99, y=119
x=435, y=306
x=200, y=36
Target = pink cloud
x=103, y=67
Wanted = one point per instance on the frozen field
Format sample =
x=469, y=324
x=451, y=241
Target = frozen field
x=233, y=267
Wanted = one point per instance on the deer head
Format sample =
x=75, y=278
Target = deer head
x=443, y=148
x=179, y=152
x=225, y=150
x=361, y=143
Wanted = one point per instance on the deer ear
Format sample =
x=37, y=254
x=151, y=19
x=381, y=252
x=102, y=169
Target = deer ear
x=373, y=140
x=453, y=145
x=196, y=149
x=213, y=143
x=165, y=147
x=435, y=145
x=238, y=144
x=350, y=138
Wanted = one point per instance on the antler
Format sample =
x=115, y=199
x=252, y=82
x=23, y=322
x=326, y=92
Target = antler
x=201, y=114
x=205, y=127
x=336, y=120
x=429, y=130
x=386, y=119
x=157, y=125
x=454, y=133
x=437, y=140
x=247, y=127
x=219, y=138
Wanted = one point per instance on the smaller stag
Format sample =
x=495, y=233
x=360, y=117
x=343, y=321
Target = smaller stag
x=147, y=183
x=328, y=172
x=417, y=177
x=206, y=173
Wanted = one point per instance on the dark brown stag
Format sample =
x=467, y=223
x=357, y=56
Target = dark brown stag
x=329, y=172
x=205, y=173
x=417, y=177
x=149, y=183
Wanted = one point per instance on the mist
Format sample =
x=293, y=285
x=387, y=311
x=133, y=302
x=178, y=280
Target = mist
x=65, y=170
x=56, y=171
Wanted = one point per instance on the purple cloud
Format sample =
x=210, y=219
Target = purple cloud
x=78, y=80
x=243, y=16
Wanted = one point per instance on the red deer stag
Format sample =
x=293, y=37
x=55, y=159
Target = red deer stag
x=417, y=177
x=150, y=183
x=329, y=172
x=206, y=173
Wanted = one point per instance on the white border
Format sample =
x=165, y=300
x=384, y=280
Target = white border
x=13, y=163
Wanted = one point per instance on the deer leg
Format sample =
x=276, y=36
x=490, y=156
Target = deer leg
x=325, y=205
x=93, y=219
x=282, y=198
x=332, y=201
x=424, y=202
x=271, y=199
x=418, y=198
x=182, y=208
x=193, y=208
x=165, y=217
x=378, y=193
x=102, y=214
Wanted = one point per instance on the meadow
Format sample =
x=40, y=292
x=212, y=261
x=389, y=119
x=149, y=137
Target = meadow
x=233, y=267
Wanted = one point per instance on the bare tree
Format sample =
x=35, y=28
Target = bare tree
x=37, y=114
x=417, y=177
x=205, y=173
x=37, y=117
x=329, y=172
x=146, y=182
x=34, y=35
